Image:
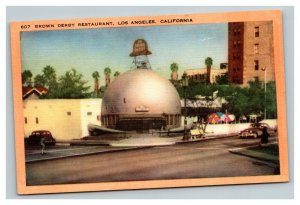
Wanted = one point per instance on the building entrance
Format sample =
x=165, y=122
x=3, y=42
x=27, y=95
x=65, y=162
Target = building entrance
x=141, y=124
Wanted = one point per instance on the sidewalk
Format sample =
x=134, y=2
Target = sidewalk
x=268, y=153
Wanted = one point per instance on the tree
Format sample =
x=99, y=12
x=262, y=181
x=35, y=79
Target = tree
x=49, y=75
x=271, y=105
x=26, y=78
x=208, y=63
x=71, y=85
x=116, y=74
x=107, y=72
x=39, y=80
x=174, y=68
x=222, y=79
x=96, y=77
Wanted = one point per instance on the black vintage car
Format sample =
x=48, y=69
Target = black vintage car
x=40, y=136
x=256, y=130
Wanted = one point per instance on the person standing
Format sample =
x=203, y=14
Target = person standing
x=265, y=136
x=42, y=143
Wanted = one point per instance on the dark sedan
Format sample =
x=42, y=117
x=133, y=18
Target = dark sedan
x=256, y=130
x=40, y=136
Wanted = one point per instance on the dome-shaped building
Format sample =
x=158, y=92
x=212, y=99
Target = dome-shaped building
x=138, y=100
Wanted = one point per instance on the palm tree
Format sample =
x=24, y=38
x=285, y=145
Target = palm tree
x=96, y=77
x=107, y=72
x=174, y=68
x=208, y=63
x=117, y=73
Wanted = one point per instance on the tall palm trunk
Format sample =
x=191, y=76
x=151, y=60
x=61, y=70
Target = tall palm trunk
x=96, y=89
x=107, y=80
x=174, y=76
x=208, y=73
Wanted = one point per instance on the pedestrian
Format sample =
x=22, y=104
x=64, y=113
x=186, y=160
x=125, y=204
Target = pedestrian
x=42, y=143
x=265, y=136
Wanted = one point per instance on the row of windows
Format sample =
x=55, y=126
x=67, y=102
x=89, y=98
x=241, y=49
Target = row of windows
x=173, y=119
x=36, y=120
x=110, y=120
x=256, y=66
x=238, y=31
x=236, y=44
x=198, y=77
x=236, y=56
x=235, y=69
x=70, y=113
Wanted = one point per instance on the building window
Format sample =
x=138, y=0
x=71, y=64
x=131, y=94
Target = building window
x=234, y=32
x=25, y=120
x=69, y=113
x=89, y=113
x=256, y=48
x=256, y=79
x=98, y=117
x=256, y=64
x=36, y=120
x=256, y=31
x=236, y=56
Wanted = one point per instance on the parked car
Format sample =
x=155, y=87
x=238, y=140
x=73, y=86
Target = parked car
x=36, y=137
x=251, y=132
x=256, y=130
x=261, y=125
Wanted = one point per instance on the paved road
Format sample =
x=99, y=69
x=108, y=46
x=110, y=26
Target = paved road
x=191, y=160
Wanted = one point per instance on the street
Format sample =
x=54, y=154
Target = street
x=189, y=160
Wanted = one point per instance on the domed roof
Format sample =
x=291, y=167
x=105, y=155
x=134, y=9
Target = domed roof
x=140, y=91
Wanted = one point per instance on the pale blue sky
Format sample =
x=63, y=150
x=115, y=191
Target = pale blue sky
x=88, y=50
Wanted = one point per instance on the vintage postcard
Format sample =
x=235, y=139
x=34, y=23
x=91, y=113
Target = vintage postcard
x=149, y=102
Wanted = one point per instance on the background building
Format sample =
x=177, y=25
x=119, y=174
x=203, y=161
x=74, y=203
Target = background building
x=199, y=75
x=250, y=52
x=65, y=118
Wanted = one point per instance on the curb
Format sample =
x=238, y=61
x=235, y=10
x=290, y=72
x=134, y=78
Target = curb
x=86, y=154
x=207, y=139
x=235, y=151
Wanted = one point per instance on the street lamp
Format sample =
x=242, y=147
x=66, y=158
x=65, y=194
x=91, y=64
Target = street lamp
x=185, y=84
x=265, y=71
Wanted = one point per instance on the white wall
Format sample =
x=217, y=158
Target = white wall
x=89, y=110
x=65, y=118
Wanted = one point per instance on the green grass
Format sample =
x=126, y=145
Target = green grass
x=271, y=149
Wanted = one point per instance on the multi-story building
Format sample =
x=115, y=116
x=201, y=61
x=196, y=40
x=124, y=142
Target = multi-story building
x=250, y=52
x=199, y=75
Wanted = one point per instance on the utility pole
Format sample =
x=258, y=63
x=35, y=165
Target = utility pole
x=185, y=85
x=265, y=72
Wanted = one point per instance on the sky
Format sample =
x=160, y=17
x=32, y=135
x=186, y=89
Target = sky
x=90, y=50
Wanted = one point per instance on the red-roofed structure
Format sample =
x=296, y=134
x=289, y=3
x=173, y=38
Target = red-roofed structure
x=34, y=91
